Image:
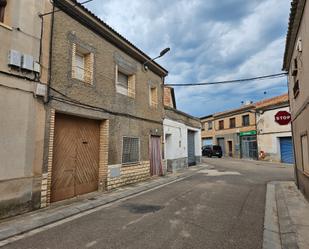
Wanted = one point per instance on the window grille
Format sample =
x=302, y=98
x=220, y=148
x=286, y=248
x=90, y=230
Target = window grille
x=130, y=150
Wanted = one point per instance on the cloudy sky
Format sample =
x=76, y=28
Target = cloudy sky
x=210, y=40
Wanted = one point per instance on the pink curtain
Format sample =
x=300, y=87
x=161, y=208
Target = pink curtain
x=155, y=156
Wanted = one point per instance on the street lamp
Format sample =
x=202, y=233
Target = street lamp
x=163, y=52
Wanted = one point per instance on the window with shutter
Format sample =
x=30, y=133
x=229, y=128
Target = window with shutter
x=232, y=122
x=221, y=124
x=245, y=120
x=305, y=153
x=130, y=150
x=125, y=83
x=3, y=4
x=82, y=64
x=153, y=97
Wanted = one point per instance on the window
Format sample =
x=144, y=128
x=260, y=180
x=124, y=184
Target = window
x=82, y=64
x=2, y=9
x=296, y=89
x=232, y=122
x=209, y=125
x=153, y=97
x=122, y=83
x=125, y=83
x=130, y=150
x=295, y=69
x=221, y=124
x=245, y=120
x=305, y=153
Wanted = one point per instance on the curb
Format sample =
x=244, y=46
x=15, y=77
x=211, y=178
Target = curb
x=57, y=214
x=279, y=231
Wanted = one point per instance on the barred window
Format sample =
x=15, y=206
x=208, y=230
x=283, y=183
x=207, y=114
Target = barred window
x=130, y=150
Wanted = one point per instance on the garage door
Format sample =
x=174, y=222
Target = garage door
x=75, y=166
x=191, y=148
x=286, y=149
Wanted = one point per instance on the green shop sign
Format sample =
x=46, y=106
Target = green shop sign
x=247, y=133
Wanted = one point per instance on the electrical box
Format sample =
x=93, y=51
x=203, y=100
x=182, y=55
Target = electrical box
x=36, y=67
x=41, y=89
x=27, y=62
x=14, y=58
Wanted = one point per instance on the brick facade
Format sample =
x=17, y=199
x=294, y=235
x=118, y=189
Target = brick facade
x=128, y=174
x=121, y=115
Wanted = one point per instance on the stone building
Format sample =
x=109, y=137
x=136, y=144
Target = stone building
x=233, y=130
x=274, y=134
x=24, y=61
x=182, y=132
x=105, y=110
x=296, y=62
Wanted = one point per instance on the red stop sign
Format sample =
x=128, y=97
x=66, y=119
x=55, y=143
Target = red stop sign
x=283, y=117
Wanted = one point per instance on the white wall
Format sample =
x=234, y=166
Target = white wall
x=270, y=131
x=266, y=121
x=177, y=139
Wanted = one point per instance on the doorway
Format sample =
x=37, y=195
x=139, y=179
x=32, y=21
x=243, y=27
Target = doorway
x=156, y=168
x=75, y=168
x=191, y=148
x=230, y=146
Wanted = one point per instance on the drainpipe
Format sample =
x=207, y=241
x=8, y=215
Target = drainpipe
x=292, y=131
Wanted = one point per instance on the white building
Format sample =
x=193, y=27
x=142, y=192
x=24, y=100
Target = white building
x=274, y=134
x=182, y=136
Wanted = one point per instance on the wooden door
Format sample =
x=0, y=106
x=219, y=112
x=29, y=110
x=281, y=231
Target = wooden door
x=75, y=157
x=230, y=144
x=155, y=156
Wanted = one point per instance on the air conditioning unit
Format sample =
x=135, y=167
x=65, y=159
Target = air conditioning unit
x=15, y=58
x=27, y=62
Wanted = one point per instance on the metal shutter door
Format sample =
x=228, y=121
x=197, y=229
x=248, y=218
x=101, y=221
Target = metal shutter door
x=286, y=149
x=191, y=148
x=222, y=145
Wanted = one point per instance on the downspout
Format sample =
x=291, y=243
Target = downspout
x=292, y=131
x=50, y=55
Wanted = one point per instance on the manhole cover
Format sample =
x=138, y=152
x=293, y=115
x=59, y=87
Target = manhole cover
x=142, y=208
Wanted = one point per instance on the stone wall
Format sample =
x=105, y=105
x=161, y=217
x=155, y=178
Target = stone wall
x=120, y=175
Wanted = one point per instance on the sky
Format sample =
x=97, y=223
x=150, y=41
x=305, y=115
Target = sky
x=210, y=40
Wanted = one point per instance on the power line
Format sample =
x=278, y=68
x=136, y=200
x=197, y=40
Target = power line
x=264, y=77
x=72, y=101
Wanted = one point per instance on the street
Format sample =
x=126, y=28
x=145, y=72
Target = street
x=219, y=208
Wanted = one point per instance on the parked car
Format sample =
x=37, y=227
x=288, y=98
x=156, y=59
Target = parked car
x=212, y=150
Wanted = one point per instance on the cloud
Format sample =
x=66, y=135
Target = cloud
x=213, y=40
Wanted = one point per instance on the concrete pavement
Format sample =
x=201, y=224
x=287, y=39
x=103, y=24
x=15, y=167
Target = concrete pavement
x=221, y=208
x=286, y=223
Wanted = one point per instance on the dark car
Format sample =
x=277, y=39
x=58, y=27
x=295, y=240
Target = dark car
x=212, y=150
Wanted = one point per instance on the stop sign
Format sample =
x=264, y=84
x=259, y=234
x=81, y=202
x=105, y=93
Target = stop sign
x=283, y=117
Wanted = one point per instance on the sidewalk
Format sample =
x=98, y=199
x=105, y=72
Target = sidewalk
x=286, y=223
x=59, y=211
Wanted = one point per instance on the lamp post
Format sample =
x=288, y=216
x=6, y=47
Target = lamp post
x=163, y=52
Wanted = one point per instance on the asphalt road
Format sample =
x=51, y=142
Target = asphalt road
x=222, y=208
